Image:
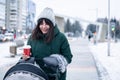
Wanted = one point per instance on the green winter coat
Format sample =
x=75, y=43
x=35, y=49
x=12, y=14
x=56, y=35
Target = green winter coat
x=59, y=45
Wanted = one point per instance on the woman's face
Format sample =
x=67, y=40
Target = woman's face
x=44, y=27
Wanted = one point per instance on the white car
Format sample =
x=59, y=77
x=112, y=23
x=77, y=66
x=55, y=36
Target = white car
x=9, y=36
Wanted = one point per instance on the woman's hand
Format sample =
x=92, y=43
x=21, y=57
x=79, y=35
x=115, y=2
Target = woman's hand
x=25, y=57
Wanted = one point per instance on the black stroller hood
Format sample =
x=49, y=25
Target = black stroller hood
x=23, y=69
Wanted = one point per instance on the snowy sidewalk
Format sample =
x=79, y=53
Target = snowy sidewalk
x=83, y=66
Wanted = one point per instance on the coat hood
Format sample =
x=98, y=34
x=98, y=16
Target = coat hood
x=48, y=14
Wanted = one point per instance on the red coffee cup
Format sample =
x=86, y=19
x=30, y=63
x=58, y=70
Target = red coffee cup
x=26, y=50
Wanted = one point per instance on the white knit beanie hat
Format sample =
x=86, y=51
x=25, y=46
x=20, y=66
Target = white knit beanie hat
x=48, y=14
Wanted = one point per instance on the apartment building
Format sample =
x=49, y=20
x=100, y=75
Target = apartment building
x=2, y=14
x=31, y=16
x=16, y=15
x=12, y=14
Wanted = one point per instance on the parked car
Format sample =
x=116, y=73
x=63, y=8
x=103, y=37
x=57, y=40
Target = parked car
x=9, y=36
x=2, y=38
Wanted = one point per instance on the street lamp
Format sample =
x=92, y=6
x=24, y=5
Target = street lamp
x=96, y=24
x=108, y=27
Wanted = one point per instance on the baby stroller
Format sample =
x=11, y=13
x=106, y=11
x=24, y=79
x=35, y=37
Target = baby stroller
x=28, y=70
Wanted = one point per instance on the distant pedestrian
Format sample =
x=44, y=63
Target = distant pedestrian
x=89, y=37
x=14, y=36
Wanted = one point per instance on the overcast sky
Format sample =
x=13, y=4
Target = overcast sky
x=84, y=9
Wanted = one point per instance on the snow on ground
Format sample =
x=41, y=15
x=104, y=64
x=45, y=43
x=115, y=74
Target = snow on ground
x=109, y=65
x=5, y=56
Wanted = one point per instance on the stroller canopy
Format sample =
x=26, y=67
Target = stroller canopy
x=25, y=71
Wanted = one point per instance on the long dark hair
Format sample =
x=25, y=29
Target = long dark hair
x=37, y=33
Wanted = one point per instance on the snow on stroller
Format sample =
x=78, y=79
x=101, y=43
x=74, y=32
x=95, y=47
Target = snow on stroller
x=27, y=70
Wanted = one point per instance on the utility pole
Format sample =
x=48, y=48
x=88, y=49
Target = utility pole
x=108, y=27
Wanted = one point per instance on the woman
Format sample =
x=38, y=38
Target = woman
x=46, y=40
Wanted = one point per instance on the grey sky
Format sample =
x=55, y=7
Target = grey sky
x=85, y=9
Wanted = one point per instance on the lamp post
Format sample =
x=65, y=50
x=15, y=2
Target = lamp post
x=108, y=27
x=96, y=24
